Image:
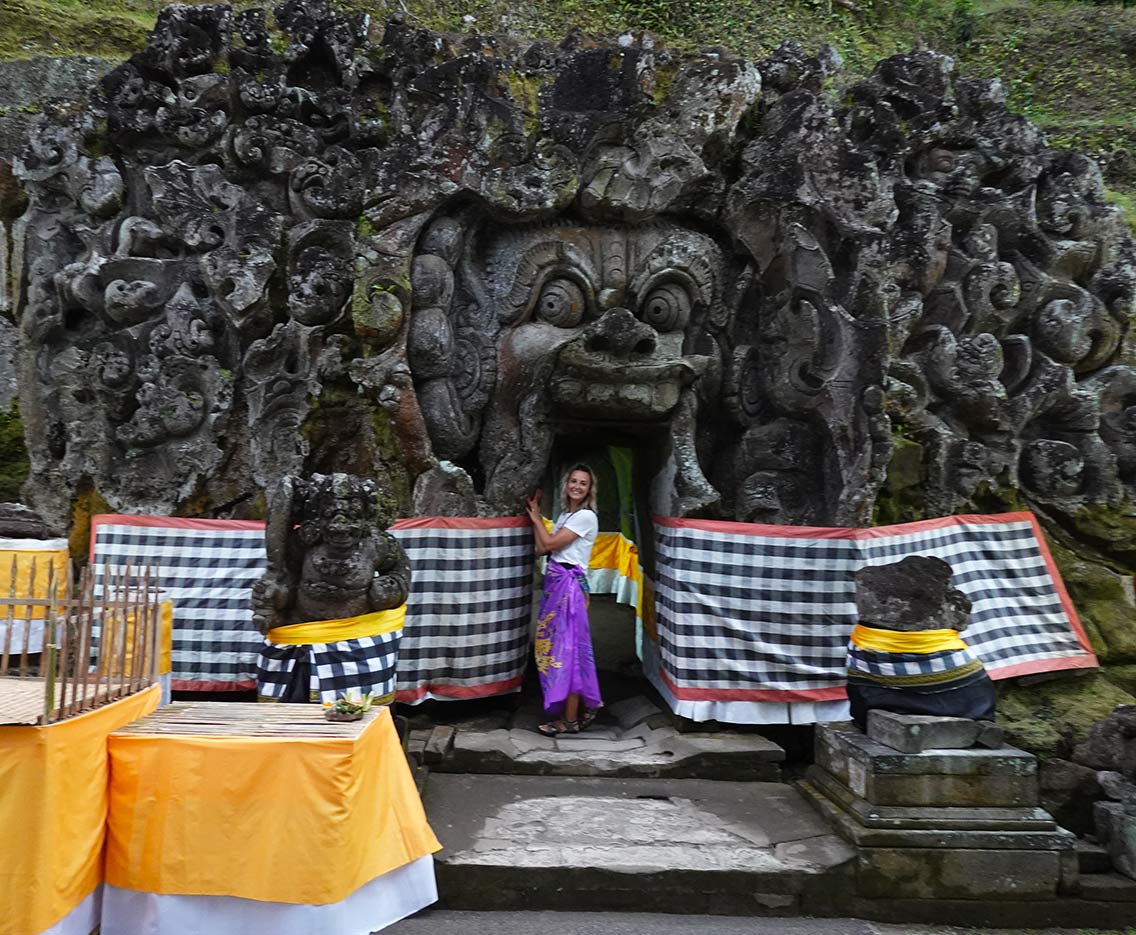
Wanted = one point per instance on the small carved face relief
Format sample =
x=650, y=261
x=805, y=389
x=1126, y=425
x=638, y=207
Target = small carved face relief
x=602, y=314
x=342, y=528
x=318, y=287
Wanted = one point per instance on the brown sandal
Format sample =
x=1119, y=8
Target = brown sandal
x=588, y=717
x=559, y=726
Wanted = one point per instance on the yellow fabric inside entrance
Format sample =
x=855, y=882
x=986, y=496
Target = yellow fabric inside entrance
x=44, y=560
x=302, y=821
x=893, y=641
x=334, y=631
x=53, y=809
x=166, y=640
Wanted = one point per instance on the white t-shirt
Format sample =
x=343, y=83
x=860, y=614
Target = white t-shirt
x=586, y=525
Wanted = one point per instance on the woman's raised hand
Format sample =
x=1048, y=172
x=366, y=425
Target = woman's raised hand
x=532, y=508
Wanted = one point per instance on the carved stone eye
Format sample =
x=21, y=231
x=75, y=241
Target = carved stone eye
x=561, y=303
x=667, y=307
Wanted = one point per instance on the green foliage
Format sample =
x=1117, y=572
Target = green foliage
x=964, y=17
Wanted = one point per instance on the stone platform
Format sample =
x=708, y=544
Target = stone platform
x=637, y=814
x=691, y=846
x=632, y=738
x=943, y=823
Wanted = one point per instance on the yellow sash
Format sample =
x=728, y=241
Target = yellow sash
x=335, y=631
x=892, y=641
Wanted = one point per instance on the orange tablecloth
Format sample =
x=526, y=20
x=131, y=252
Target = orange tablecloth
x=303, y=821
x=53, y=808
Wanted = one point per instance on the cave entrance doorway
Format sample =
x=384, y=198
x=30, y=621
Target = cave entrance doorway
x=625, y=469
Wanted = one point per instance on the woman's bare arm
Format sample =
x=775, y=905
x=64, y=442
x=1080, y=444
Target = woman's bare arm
x=547, y=541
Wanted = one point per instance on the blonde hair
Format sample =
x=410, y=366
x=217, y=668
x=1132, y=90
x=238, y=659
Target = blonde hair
x=590, y=500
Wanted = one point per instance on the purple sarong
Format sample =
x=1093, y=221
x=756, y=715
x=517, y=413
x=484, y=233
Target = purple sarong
x=563, y=642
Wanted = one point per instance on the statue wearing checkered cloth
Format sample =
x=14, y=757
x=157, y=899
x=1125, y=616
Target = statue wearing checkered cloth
x=333, y=598
x=906, y=655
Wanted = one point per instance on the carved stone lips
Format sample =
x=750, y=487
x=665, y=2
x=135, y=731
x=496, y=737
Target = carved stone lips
x=607, y=368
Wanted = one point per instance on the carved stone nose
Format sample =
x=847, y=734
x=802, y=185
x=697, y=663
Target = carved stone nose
x=620, y=333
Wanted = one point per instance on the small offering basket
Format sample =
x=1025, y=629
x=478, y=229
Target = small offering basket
x=347, y=709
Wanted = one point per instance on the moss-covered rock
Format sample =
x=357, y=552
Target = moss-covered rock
x=1123, y=677
x=1048, y=718
x=1110, y=529
x=13, y=454
x=88, y=502
x=1104, y=602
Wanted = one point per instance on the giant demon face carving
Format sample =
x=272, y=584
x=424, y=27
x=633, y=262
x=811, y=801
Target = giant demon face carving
x=521, y=332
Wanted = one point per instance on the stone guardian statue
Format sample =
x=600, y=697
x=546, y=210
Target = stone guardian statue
x=905, y=655
x=333, y=597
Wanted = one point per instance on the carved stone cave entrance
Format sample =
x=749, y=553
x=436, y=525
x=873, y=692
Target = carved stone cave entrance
x=627, y=464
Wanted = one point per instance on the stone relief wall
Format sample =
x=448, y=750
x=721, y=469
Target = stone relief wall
x=269, y=247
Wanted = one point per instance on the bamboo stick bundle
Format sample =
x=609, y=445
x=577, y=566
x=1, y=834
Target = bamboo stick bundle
x=84, y=615
x=56, y=625
x=153, y=634
x=10, y=619
x=137, y=633
x=48, y=663
x=28, y=622
x=106, y=633
x=124, y=622
x=71, y=631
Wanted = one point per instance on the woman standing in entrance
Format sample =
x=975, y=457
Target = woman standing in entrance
x=563, y=642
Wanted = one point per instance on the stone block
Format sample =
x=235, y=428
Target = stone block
x=476, y=752
x=876, y=834
x=990, y=735
x=438, y=744
x=923, y=873
x=1116, y=786
x=576, y=744
x=632, y=711
x=883, y=776
x=526, y=741
x=1122, y=844
x=924, y=818
x=914, y=733
x=1109, y=887
x=1092, y=858
x=645, y=731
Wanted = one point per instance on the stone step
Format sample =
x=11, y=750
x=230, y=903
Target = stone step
x=1092, y=858
x=668, y=845
x=634, y=738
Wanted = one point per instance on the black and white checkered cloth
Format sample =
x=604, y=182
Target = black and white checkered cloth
x=470, y=604
x=361, y=666
x=206, y=567
x=467, y=620
x=742, y=614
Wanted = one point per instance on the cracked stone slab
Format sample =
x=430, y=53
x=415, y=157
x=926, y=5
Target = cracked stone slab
x=609, y=752
x=680, y=824
x=613, y=838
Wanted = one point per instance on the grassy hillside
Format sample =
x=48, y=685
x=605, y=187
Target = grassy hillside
x=1071, y=66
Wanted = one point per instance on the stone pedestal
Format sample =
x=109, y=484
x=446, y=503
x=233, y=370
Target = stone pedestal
x=940, y=824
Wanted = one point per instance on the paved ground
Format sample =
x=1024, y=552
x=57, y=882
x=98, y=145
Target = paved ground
x=632, y=737
x=440, y=922
x=688, y=824
x=686, y=845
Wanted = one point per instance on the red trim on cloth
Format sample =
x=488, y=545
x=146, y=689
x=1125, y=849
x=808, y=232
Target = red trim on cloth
x=189, y=685
x=833, y=693
x=170, y=522
x=459, y=692
x=843, y=532
x=1041, y=665
x=1062, y=593
x=461, y=522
